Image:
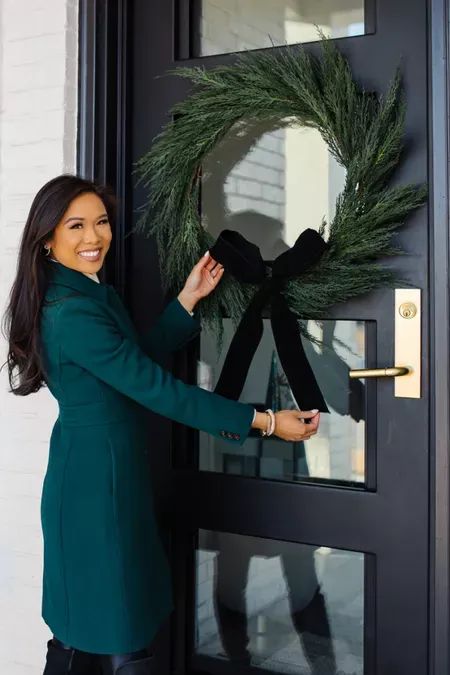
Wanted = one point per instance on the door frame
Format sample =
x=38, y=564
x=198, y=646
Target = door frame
x=103, y=154
x=103, y=112
x=439, y=572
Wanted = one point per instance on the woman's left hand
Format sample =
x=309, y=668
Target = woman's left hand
x=202, y=280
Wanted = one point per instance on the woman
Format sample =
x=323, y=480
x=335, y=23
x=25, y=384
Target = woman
x=106, y=586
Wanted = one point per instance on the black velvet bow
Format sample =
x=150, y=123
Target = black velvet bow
x=244, y=261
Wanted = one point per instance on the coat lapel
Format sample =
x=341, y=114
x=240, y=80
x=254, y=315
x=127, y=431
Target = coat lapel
x=60, y=275
x=66, y=277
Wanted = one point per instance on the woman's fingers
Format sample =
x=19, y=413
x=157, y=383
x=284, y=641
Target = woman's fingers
x=212, y=279
x=307, y=414
x=290, y=425
x=313, y=424
x=211, y=263
x=219, y=273
x=214, y=271
x=308, y=419
x=313, y=417
x=204, y=261
x=306, y=435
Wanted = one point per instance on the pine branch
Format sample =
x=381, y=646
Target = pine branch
x=289, y=87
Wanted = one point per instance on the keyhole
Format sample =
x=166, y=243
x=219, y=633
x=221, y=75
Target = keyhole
x=407, y=310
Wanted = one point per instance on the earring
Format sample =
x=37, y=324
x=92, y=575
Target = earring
x=48, y=249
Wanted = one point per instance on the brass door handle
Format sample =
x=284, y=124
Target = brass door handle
x=393, y=371
x=407, y=322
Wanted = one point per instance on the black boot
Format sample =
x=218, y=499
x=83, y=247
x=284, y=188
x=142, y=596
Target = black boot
x=62, y=659
x=59, y=659
x=138, y=667
x=313, y=627
x=233, y=633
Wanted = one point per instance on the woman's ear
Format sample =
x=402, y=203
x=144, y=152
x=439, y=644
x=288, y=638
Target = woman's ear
x=47, y=247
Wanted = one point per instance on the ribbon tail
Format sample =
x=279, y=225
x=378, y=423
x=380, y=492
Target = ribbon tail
x=357, y=397
x=293, y=359
x=241, y=351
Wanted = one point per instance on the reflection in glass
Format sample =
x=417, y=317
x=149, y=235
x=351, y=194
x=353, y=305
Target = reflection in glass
x=225, y=26
x=337, y=452
x=279, y=606
x=270, y=182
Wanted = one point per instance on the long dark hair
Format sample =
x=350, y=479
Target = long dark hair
x=21, y=321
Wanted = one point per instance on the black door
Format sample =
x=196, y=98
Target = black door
x=300, y=558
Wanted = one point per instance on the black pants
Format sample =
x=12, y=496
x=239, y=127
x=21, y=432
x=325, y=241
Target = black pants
x=107, y=664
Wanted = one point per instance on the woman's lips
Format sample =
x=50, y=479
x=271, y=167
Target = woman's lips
x=91, y=256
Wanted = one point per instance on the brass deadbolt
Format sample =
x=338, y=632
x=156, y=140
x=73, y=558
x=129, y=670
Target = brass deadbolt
x=407, y=310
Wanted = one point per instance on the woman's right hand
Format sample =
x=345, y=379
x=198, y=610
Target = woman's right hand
x=290, y=425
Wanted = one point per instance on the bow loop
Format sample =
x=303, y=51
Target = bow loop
x=306, y=252
x=239, y=257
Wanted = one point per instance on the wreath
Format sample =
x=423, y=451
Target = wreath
x=286, y=87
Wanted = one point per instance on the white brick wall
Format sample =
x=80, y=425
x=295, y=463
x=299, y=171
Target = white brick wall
x=38, y=95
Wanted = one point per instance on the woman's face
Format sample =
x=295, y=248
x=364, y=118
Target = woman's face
x=83, y=236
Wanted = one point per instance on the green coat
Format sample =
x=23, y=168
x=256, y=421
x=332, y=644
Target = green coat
x=106, y=583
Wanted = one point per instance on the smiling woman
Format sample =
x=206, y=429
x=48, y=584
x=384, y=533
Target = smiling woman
x=106, y=581
x=82, y=242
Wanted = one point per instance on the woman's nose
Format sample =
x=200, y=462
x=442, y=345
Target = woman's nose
x=91, y=236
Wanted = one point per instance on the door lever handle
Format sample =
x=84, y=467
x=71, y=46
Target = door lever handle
x=393, y=371
x=407, y=316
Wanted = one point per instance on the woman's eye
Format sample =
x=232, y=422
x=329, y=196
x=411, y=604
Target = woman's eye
x=103, y=221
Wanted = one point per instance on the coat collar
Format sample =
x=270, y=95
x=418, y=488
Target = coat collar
x=59, y=274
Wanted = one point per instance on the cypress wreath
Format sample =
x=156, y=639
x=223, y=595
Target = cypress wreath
x=364, y=134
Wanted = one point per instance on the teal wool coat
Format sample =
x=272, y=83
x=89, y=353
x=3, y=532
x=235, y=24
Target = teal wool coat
x=106, y=583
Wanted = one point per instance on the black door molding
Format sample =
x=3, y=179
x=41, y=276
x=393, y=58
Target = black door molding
x=103, y=112
x=439, y=53
x=103, y=152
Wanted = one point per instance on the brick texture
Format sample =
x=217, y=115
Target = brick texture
x=38, y=100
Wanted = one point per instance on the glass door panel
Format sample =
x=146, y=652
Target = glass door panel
x=279, y=606
x=270, y=183
x=337, y=454
x=237, y=25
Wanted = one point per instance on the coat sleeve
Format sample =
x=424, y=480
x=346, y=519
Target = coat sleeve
x=174, y=328
x=89, y=337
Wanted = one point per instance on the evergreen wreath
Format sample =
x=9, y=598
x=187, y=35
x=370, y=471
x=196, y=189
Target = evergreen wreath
x=363, y=132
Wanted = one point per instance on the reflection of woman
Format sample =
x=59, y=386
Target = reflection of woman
x=106, y=583
x=297, y=563
x=306, y=601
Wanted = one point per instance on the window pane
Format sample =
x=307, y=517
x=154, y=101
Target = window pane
x=279, y=606
x=337, y=452
x=270, y=184
x=225, y=26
